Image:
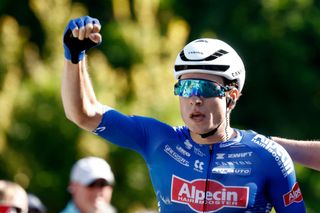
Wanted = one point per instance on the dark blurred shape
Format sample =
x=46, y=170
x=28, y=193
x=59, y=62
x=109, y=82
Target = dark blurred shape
x=35, y=204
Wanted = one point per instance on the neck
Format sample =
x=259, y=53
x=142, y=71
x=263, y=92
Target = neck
x=220, y=135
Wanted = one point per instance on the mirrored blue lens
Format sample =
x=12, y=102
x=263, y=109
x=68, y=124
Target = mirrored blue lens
x=198, y=87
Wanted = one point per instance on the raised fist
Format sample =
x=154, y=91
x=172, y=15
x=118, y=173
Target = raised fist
x=80, y=35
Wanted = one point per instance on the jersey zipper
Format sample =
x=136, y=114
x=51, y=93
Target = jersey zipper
x=208, y=176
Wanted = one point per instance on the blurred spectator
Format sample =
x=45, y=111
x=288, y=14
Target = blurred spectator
x=91, y=186
x=35, y=204
x=13, y=198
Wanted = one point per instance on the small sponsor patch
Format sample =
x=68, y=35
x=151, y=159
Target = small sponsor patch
x=294, y=196
x=188, y=144
x=183, y=151
x=231, y=171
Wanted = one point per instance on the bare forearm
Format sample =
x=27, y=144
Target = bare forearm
x=78, y=98
x=302, y=152
x=70, y=89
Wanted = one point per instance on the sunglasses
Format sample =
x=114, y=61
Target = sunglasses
x=10, y=209
x=98, y=184
x=199, y=87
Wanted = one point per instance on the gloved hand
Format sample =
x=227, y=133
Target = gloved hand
x=80, y=35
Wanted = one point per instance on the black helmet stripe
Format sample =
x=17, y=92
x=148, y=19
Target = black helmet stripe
x=209, y=58
x=217, y=68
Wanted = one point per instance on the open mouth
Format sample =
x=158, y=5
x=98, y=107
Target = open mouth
x=197, y=116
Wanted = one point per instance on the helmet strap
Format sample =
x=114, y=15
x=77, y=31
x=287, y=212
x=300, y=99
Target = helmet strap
x=212, y=132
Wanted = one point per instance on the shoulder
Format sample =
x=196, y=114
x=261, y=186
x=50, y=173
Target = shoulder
x=114, y=115
x=147, y=125
x=262, y=144
x=70, y=208
x=272, y=152
x=117, y=119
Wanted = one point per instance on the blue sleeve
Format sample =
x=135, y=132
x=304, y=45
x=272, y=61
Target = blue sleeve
x=132, y=132
x=282, y=187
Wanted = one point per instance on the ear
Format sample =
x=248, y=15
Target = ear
x=232, y=97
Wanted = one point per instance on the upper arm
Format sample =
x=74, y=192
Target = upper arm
x=282, y=187
x=285, y=193
x=123, y=130
x=134, y=132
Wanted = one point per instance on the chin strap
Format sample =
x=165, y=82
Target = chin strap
x=212, y=132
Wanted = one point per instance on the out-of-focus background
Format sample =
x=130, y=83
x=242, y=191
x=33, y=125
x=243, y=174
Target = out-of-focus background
x=278, y=40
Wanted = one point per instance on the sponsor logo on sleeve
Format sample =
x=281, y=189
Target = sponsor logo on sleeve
x=278, y=152
x=176, y=156
x=294, y=196
x=99, y=129
x=207, y=195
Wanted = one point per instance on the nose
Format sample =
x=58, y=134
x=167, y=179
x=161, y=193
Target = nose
x=196, y=100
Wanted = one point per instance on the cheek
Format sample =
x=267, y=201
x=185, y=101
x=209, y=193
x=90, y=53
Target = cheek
x=183, y=108
x=217, y=104
x=84, y=196
x=107, y=194
x=216, y=108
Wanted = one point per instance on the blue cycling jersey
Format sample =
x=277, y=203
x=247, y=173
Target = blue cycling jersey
x=249, y=173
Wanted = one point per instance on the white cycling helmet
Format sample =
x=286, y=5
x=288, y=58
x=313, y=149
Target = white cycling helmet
x=211, y=56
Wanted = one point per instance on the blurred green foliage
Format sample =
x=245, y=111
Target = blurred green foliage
x=279, y=41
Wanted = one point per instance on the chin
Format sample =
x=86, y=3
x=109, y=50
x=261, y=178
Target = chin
x=198, y=131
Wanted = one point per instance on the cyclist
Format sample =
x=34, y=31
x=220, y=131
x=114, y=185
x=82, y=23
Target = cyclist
x=206, y=165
